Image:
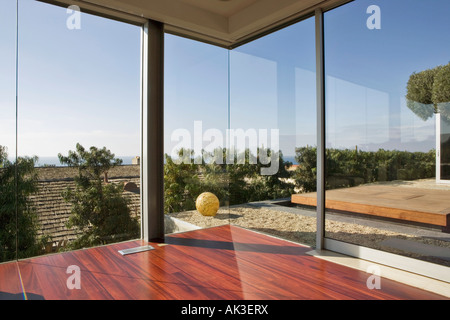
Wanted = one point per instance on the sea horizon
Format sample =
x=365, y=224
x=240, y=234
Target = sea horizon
x=126, y=160
x=54, y=161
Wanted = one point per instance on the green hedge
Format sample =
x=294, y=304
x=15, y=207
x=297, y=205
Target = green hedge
x=243, y=183
x=231, y=183
x=347, y=167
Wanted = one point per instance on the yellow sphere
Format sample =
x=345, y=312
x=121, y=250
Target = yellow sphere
x=207, y=204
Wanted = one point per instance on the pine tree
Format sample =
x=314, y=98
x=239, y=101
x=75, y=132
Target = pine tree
x=99, y=208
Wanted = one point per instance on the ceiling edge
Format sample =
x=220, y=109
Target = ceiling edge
x=214, y=30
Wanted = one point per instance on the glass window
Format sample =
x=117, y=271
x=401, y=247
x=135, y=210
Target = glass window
x=78, y=128
x=252, y=112
x=387, y=71
x=273, y=119
x=8, y=34
x=195, y=124
x=240, y=135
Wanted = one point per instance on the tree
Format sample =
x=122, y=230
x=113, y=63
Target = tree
x=92, y=164
x=420, y=93
x=99, y=208
x=306, y=173
x=18, y=218
x=428, y=92
x=181, y=182
x=441, y=91
x=269, y=187
x=3, y=156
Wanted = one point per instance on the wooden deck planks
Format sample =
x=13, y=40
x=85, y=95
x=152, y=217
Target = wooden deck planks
x=220, y=263
x=411, y=204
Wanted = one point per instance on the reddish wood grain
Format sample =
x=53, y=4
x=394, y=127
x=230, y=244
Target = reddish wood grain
x=10, y=286
x=220, y=263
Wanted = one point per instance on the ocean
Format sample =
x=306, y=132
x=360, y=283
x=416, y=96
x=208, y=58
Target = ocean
x=54, y=161
x=290, y=159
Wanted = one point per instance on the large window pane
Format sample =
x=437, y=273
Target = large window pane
x=252, y=110
x=79, y=125
x=273, y=117
x=386, y=85
x=8, y=26
x=196, y=121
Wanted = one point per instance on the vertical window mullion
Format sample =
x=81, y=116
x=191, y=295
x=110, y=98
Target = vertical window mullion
x=320, y=87
x=153, y=132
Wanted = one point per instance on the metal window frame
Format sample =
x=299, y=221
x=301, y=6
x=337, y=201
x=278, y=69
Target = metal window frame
x=438, y=150
x=152, y=132
x=320, y=113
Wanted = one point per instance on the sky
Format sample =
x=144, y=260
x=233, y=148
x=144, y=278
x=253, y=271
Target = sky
x=82, y=85
x=368, y=70
x=79, y=85
x=272, y=79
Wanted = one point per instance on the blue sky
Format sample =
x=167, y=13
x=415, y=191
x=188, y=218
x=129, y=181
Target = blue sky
x=272, y=80
x=266, y=84
x=83, y=85
x=367, y=71
x=74, y=85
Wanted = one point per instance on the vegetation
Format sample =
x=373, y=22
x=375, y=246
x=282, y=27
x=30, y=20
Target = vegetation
x=102, y=213
x=18, y=181
x=243, y=183
x=181, y=184
x=99, y=209
x=346, y=167
x=428, y=92
x=441, y=91
x=234, y=183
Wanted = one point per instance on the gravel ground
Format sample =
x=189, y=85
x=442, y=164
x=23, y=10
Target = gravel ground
x=302, y=229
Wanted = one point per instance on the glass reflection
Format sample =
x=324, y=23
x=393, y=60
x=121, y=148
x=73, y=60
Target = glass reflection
x=8, y=221
x=272, y=105
x=383, y=91
x=78, y=129
x=236, y=123
x=196, y=192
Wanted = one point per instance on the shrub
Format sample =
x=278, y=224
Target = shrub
x=441, y=91
x=428, y=92
x=346, y=168
x=18, y=218
x=231, y=183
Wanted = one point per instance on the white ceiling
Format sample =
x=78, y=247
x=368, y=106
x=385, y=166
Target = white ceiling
x=225, y=8
x=222, y=22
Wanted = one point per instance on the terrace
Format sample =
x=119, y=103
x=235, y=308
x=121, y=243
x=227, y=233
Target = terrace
x=221, y=98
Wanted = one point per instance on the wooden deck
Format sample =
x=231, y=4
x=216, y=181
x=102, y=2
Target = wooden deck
x=220, y=263
x=421, y=205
